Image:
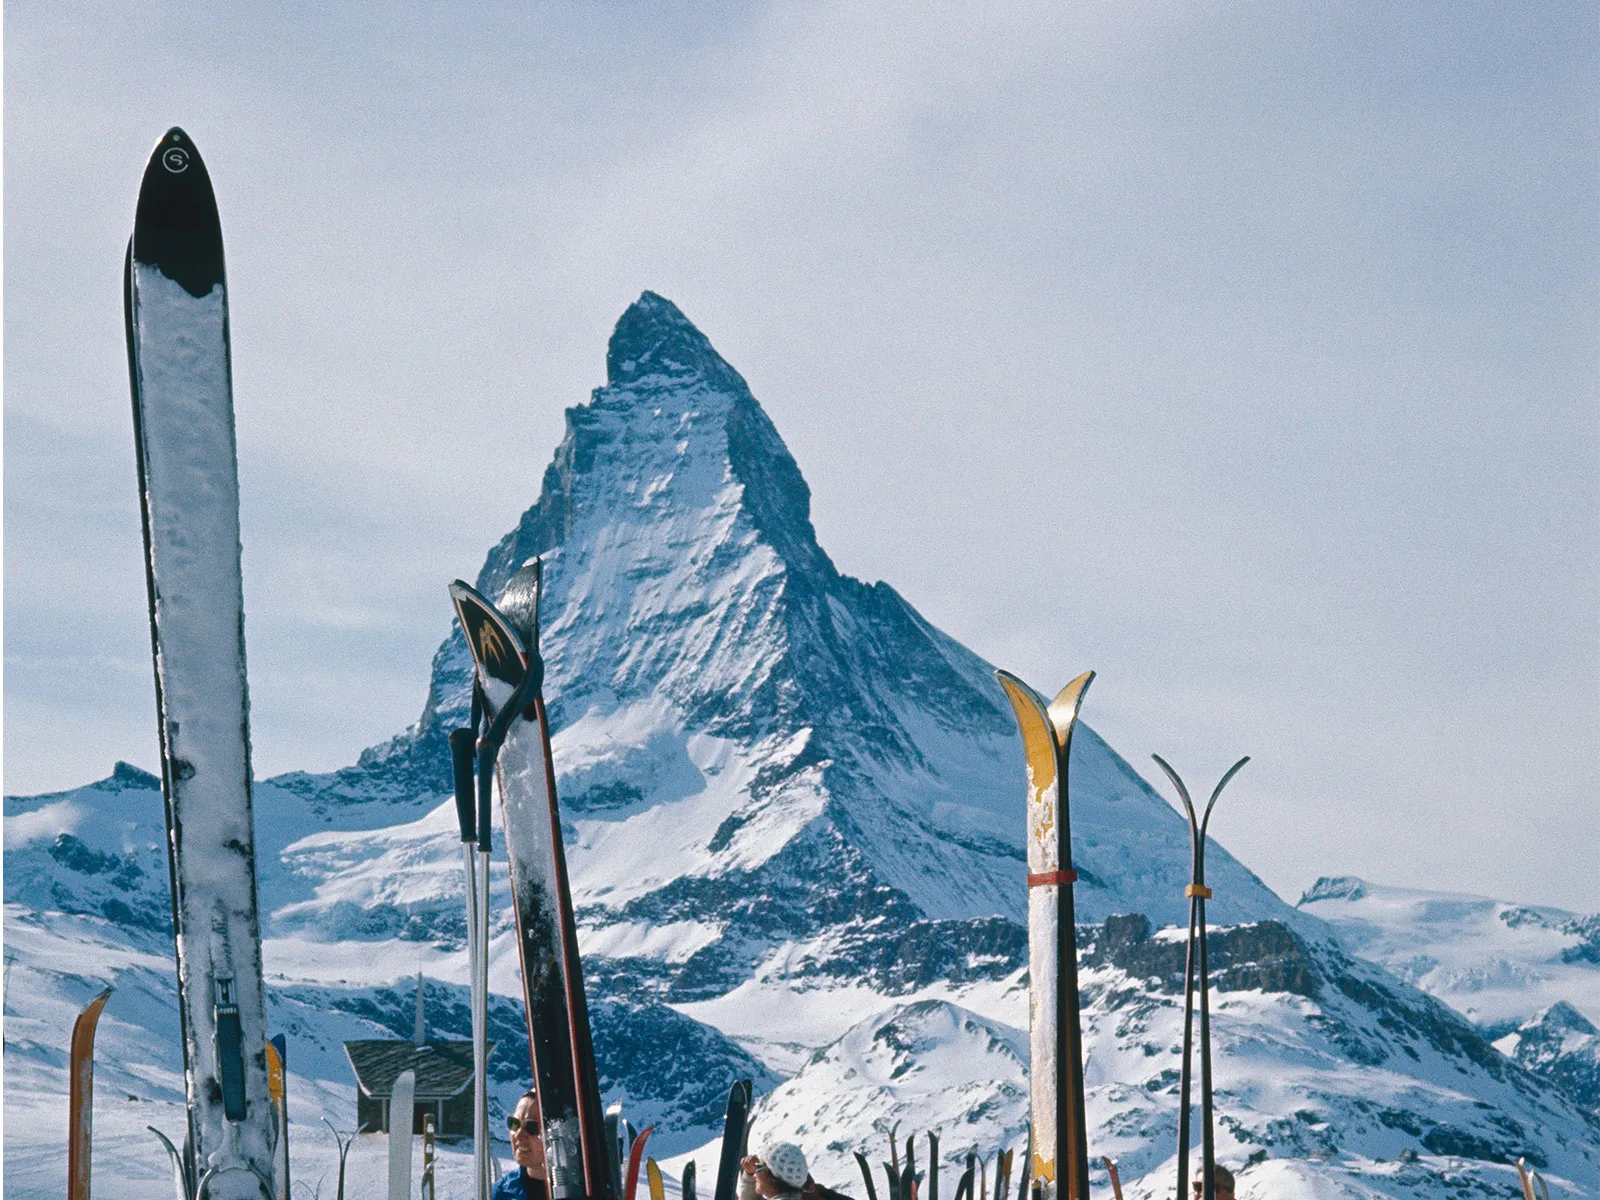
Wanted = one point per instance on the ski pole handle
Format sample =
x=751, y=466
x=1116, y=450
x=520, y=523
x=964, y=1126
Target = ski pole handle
x=486, y=755
x=462, y=751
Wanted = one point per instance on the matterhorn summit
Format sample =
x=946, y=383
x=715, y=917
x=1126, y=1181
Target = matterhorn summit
x=770, y=759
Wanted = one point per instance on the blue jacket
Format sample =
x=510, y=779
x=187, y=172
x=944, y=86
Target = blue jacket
x=513, y=1186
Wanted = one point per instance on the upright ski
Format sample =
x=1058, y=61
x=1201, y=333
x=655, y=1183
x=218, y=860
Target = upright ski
x=1059, y=1135
x=515, y=746
x=402, y=1122
x=80, y=1099
x=686, y=1185
x=630, y=1186
x=1196, y=975
x=1116, y=1179
x=176, y=309
x=735, y=1129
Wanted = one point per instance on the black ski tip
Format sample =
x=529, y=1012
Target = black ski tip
x=176, y=228
x=494, y=645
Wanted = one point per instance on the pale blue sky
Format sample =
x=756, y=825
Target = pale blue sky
x=1247, y=354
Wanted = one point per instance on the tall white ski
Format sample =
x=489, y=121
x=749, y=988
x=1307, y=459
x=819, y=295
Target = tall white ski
x=176, y=309
x=402, y=1115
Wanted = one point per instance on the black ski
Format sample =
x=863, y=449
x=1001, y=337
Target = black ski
x=1196, y=974
x=515, y=748
x=735, y=1127
x=176, y=312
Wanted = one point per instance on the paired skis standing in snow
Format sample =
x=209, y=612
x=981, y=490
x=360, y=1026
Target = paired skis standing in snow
x=1059, y=1156
x=1197, y=975
x=1060, y=1159
x=512, y=737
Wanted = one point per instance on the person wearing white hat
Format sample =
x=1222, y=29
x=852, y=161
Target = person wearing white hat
x=777, y=1169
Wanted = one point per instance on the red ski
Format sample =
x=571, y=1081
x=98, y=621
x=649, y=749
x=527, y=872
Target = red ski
x=80, y=1105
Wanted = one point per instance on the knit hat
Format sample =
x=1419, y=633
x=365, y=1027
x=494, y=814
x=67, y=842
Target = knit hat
x=786, y=1161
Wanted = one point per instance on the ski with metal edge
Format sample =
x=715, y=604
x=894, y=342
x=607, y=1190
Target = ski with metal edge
x=630, y=1188
x=514, y=746
x=176, y=311
x=686, y=1185
x=653, y=1181
x=1196, y=975
x=80, y=1098
x=734, y=1136
x=1058, y=1129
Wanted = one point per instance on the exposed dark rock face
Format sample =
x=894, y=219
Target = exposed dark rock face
x=1561, y=1045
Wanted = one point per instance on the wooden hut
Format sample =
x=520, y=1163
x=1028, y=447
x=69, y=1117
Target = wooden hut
x=444, y=1083
x=444, y=1079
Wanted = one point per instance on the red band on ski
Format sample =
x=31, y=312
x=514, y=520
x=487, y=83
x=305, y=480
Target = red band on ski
x=1197, y=889
x=1046, y=878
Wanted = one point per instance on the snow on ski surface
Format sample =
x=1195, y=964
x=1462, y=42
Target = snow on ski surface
x=793, y=817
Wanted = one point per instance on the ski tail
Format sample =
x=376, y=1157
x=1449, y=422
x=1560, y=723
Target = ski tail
x=686, y=1185
x=80, y=1103
x=653, y=1180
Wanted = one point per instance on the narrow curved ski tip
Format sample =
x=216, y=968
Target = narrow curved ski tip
x=1064, y=708
x=519, y=602
x=1183, y=792
x=176, y=228
x=495, y=647
x=1033, y=720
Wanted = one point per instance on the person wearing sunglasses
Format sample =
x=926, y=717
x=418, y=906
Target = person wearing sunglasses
x=525, y=1181
x=1224, y=1178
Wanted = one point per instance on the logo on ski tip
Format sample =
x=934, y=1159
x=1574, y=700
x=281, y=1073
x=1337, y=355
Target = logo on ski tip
x=176, y=160
x=492, y=644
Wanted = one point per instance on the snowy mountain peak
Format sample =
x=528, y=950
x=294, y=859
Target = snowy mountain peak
x=654, y=338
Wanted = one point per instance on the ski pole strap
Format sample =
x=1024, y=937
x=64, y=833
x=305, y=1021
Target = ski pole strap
x=1197, y=889
x=1046, y=878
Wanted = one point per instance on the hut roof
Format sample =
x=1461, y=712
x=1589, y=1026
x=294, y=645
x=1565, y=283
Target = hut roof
x=443, y=1069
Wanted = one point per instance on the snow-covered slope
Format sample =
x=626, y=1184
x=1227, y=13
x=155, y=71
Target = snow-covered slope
x=1529, y=977
x=793, y=813
x=1318, y=1057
